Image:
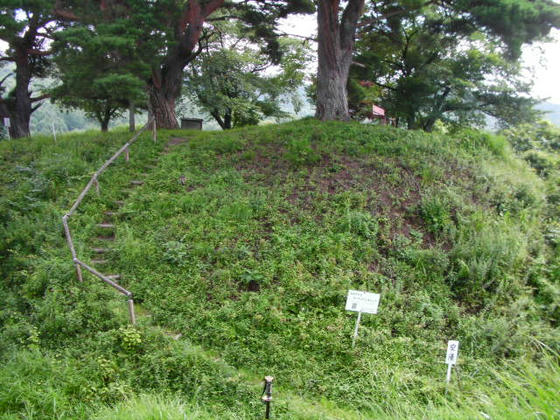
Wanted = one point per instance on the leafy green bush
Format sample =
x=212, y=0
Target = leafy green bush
x=436, y=212
x=300, y=152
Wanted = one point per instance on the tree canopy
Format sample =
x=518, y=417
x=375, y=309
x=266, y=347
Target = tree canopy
x=99, y=70
x=25, y=28
x=238, y=85
x=425, y=62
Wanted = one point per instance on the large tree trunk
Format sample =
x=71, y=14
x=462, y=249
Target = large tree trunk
x=162, y=106
x=336, y=44
x=19, y=106
x=332, y=99
x=228, y=120
x=411, y=121
x=164, y=86
x=225, y=122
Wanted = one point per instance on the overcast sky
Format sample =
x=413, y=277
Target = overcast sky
x=544, y=58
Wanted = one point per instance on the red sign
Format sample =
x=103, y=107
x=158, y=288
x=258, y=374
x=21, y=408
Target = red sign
x=378, y=111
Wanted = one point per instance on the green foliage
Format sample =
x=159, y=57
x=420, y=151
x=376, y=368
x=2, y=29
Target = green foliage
x=429, y=62
x=230, y=84
x=250, y=257
x=542, y=136
x=300, y=152
x=435, y=211
x=100, y=83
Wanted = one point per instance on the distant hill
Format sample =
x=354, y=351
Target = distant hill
x=552, y=112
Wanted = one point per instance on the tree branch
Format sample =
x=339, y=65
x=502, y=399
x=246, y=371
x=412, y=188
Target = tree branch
x=397, y=12
x=4, y=79
x=306, y=38
x=39, y=53
x=349, y=22
x=41, y=97
x=36, y=107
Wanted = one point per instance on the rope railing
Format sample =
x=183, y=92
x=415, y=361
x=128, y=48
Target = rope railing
x=94, y=182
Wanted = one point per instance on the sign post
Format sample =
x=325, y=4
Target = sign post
x=451, y=358
x=7, y=125
x=365, y=302
x=53, y=131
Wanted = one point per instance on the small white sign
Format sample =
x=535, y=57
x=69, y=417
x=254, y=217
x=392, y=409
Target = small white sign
x=365, y=302
x=452, y=352
x=7, y=122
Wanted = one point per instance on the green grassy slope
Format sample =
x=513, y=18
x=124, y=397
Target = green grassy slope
x=246, y=243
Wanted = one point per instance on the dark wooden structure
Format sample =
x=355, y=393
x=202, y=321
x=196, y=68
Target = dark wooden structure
x=191, y=123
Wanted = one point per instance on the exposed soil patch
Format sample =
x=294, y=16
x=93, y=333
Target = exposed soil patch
x=176, y=140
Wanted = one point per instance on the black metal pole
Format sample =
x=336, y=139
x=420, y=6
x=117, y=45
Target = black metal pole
x=267, y=395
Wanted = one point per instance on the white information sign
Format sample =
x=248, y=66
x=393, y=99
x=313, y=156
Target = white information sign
x=451, y=358
x=365, y=302
x=6, y=122
x=452, y=352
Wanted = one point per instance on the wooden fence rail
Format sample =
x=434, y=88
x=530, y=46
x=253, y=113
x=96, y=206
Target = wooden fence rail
x=94, y=181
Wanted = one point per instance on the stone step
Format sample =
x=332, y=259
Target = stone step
x=110, y=213
x=99, y=262
x=105, y=238
x=100, y=250
x=106, y=225
x=136, y=182
x=114, y=277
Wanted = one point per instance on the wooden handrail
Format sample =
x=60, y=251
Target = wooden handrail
x=95, y=176
x=104, y=278
x=94, y=181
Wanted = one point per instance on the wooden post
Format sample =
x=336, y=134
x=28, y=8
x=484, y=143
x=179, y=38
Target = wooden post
x=126, y=155
x=267, y=395
x=131, y=311
x=131, y=120
x=71, y=246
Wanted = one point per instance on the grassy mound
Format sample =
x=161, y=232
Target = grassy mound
x=246, y=243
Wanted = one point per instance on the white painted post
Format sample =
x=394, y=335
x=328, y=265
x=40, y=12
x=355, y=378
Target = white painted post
x=451, y=358
x=7, y=125
x=53, y=131
x=365, y=302
x=448, y=377
x=126, y=155
x=356, y=329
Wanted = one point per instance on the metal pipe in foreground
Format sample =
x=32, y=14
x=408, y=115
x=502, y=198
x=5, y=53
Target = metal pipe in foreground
x=267, y=394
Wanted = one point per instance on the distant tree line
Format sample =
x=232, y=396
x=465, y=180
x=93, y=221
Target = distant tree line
x=425, y=61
